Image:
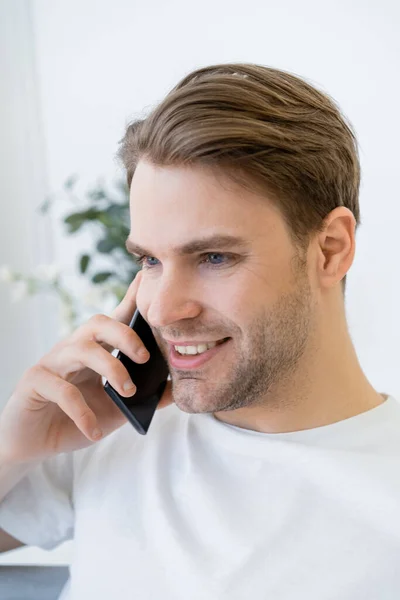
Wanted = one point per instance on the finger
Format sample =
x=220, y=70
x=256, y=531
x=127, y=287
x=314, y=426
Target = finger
x=126, y=308
x=111, y=334
x=74, y=358
x=45, y=386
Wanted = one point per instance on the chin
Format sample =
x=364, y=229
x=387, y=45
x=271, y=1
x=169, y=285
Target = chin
x=192, y=405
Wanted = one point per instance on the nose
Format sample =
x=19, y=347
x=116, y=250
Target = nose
x=171, y=298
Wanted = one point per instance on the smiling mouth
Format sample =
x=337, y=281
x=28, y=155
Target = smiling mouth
x=198, y=359
x=196, y=349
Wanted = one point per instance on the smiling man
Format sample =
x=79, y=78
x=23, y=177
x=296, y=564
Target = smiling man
x=272, y=471
x=244, y=189
x=220, y=268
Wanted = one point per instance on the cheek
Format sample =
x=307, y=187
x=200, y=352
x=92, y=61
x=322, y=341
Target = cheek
x=241, y=294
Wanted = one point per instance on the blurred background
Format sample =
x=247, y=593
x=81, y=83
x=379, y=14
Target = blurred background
x=73, y=73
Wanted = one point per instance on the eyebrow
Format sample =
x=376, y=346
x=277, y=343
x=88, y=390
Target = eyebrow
x=217, y=241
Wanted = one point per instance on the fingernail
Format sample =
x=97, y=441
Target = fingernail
x=144, y=353
x=96, y=433
x=129, y=385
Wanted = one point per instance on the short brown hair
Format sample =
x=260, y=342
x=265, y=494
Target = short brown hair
x=262, y=127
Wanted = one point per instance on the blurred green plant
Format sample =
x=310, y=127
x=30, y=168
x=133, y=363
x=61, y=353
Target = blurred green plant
x=108, y=216
x=106, y=213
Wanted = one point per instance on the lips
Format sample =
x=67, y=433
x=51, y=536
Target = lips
x=178, y=343
x=191, y=361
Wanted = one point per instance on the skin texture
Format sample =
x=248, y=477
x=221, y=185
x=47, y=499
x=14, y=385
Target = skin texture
x=290, y=363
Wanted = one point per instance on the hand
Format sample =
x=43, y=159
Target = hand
x=60, y=402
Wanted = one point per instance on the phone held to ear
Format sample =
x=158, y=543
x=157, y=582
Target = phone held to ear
x=150, y=379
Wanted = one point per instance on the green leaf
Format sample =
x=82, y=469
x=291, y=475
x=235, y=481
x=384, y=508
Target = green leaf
x=74, y=222
x=77, y=219
x=106, y=245
x=105, y=219
x=102, y=276
x=118, y=212
x=84, y=262
x=108, y=212
x=90, y=214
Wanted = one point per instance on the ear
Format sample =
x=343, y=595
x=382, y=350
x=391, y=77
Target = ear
x=336, y=246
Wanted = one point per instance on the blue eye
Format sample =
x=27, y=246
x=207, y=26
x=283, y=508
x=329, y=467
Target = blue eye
x=142, y=260
x=213, y=254
x=145, y=261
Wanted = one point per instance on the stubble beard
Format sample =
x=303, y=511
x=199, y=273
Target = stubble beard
x=266, y=360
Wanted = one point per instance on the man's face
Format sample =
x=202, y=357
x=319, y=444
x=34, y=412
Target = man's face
x=253, y=293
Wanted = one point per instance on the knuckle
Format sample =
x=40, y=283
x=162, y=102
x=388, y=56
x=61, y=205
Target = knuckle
x=84, y=414
x=131, y=339
x=67, y=390
x=80, y=352
x=32, y=380
x=99, y=319
x=88, y=329
x=83, y=345
x=34, y=372
x=127, y=334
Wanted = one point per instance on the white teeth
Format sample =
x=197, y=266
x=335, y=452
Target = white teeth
x=195, y=349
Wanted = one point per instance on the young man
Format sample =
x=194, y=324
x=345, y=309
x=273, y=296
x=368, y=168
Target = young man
x=272, y=471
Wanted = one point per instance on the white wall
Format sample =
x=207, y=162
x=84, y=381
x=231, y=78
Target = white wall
x=98, y=63
x=25, y=240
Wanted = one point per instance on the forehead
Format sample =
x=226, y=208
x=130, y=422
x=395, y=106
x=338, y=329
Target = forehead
x=193, y=191
x=177, y=203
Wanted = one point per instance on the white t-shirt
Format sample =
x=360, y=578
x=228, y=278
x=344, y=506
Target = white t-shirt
x=201, y=510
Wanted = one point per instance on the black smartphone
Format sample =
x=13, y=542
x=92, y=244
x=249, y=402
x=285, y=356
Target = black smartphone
x=150, y=379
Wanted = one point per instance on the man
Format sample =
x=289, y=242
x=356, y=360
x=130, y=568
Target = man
x=272, y=470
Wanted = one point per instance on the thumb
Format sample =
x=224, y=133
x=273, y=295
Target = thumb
x=126, y=308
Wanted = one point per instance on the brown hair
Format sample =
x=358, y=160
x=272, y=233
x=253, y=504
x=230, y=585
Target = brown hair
x=262, y=127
